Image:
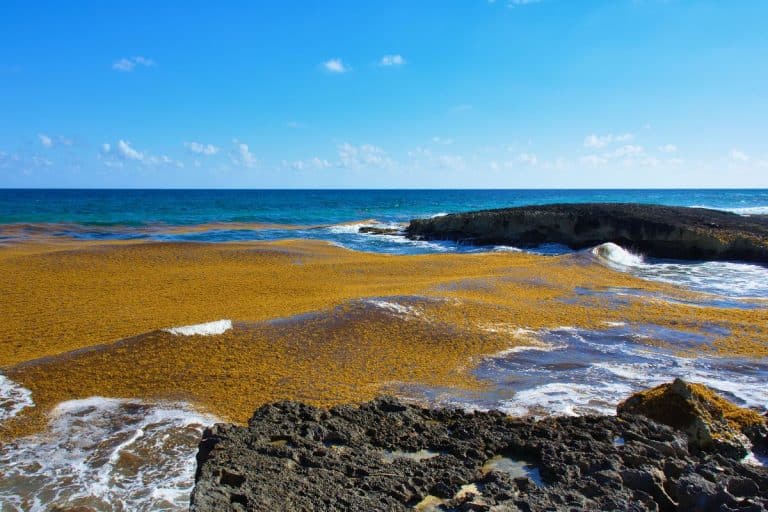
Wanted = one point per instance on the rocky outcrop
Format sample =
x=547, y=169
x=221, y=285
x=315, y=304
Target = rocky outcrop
x=657, y=231
x=710, y=421
x=375, y=230
x=389, y=456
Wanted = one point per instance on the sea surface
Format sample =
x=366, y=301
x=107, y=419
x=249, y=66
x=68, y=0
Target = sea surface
x=123, y=454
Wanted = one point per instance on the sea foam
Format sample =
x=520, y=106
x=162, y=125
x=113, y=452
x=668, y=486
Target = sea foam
x=105, y=454
x=615, y=254
x=206, y=329
x=13, y=398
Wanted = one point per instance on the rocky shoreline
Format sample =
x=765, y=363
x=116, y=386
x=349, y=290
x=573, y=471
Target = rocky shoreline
x=654, y=230
x=387, y=455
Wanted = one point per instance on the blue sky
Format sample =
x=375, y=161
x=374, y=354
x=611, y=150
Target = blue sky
x=397, y=94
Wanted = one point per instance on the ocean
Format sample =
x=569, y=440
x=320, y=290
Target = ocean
x=312, y=207
x=128, y=453
x=336, y=216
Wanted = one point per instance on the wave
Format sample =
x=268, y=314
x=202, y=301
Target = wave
x=591, y=371
x=747, y=210
x=403, y=311
x=354, y=227
x=206, y=329
x=105, y=454
x=13, y=398
x=617, y=255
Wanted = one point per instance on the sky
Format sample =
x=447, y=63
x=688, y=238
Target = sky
x=384, y=94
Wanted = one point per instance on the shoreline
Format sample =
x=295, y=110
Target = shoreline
x=116, y=290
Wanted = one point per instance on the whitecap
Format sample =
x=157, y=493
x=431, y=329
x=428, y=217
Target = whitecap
x=13, y=398
x=746, y=211
x=400, y=310
x=566, y=399
x=354, y=228
x=105, y=454
x=723, y=278
x=206, y=329
x=617, y=255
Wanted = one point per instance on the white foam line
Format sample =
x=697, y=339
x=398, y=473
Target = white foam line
x=13, y=398
x=395, y=308
x=206, y=329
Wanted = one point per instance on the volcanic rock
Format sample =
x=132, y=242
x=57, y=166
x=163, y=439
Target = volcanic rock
x=373, y=230
x=389, y=456
x=654, y=230
x=710, y=421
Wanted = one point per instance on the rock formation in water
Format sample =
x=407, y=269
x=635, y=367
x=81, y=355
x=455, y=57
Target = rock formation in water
x=389, y=456
x=657, y=231
x=710, y=421
x=375, y=230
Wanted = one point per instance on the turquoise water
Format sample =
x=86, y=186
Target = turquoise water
x=311, y=207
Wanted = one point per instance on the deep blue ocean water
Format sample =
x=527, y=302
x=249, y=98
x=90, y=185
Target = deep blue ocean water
x=310, y=207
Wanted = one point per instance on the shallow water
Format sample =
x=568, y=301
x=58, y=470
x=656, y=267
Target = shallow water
x=576, y=372
x=105, y=454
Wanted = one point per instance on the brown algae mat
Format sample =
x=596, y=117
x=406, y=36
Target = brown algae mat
x=84, y=318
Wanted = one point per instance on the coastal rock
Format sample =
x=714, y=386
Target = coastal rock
x=388, y=456
x=654, y=230
x=373, y=230
x=709, y=421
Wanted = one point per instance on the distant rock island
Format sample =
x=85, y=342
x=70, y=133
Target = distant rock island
x=653, y=230
x=389, y=456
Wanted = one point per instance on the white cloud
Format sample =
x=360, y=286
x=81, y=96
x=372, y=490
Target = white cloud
x=243, y=156
x=517, y=3
x=601, y=141
x=50, y=141
x=595, y=160
x=668, y=148
x=739, y=156
x=366, y=155
x=455, y=162
x=201, y=149
x=528, y=158
x=123, y=152
x=422, y=157
x=335, y=66
x=441, y=140
x=392, y=60
x=625, y=151
x=312, y=163
x=127, y=64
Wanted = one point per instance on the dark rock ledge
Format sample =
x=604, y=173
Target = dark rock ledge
x=654, y=230
x=296, y=457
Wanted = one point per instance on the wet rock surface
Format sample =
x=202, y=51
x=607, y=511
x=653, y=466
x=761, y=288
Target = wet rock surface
x=386, y=455
x=710, y=421
x=654, y=230
x=373, y=230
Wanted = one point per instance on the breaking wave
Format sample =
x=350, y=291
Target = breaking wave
x=206, y=329
x=105, y=454
x=13, y=398
x=617, y=255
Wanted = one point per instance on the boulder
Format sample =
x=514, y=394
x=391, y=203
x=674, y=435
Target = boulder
x=709, y=421
x=653, y=230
